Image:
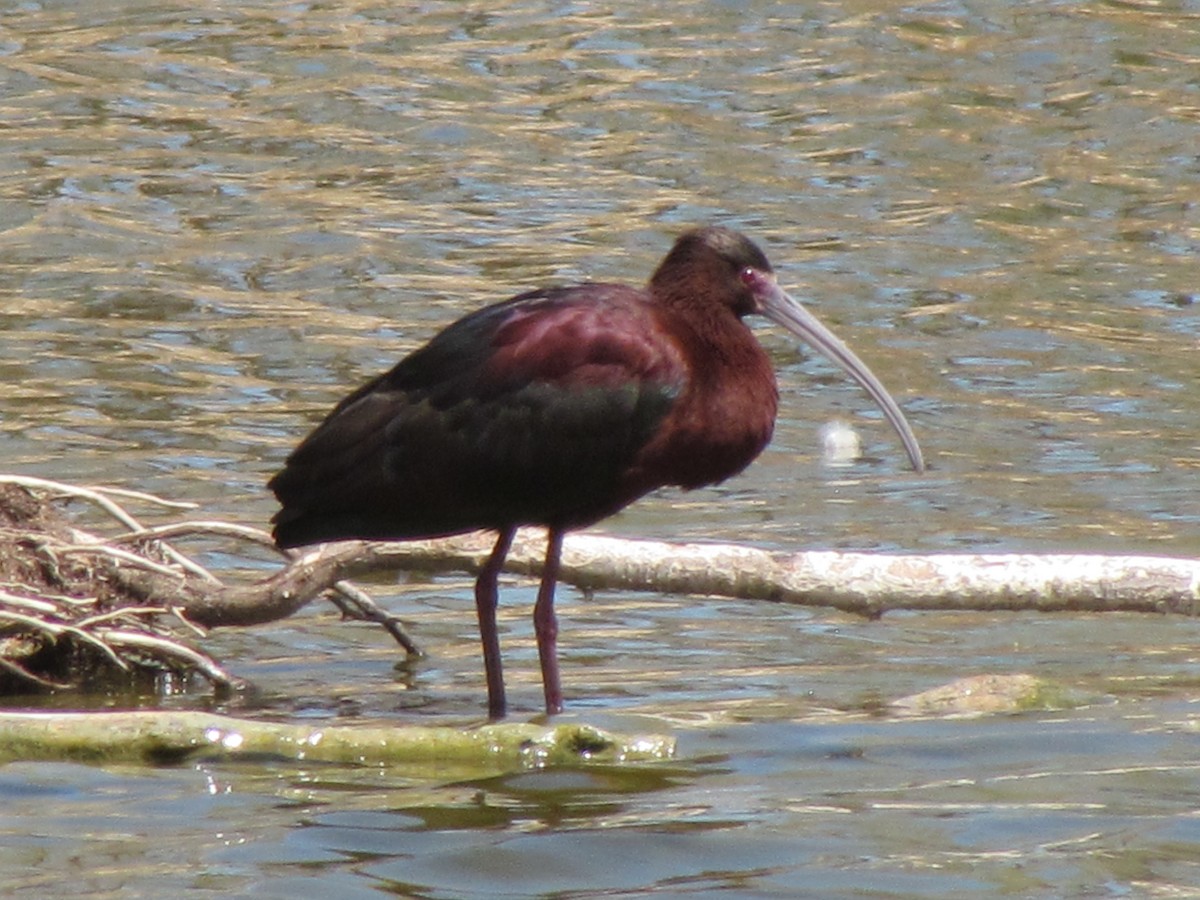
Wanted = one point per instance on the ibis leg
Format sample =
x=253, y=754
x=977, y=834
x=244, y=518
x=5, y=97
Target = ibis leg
x=487, y=596
x=545, y=624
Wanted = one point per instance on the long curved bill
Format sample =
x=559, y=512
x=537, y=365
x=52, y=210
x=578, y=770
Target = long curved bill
x=786, y=312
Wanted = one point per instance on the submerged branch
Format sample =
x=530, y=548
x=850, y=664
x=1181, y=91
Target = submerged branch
x=173, y=736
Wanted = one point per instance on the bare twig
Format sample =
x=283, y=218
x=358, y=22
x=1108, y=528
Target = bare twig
x=118, y=614
x=100, y=499
x=116, y=553
x=101, y=626
x=351, y=600
x=23, y=674
x=357, y=604
x=198, y=528
x=58, y=629
x=153, y=499
x=30, y=603
x=173, y=650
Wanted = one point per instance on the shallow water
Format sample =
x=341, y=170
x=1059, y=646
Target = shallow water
x=215, y=220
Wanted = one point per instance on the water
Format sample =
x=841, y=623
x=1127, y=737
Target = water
x=215, y=220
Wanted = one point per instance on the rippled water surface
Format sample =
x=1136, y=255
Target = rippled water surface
x=216, y=218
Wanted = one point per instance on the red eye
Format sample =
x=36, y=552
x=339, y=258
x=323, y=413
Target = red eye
x=749, y=276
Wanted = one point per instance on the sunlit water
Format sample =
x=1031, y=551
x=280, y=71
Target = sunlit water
x=216, y=219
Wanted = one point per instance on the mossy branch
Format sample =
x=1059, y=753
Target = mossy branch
x=173, y=736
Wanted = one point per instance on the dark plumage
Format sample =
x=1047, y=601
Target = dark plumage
x=557, y=408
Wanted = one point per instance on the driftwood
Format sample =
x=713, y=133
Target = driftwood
x=77, y=608
x=868, y=584
x=132, y=601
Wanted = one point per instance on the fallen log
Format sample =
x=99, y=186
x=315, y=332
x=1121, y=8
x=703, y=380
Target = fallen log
x=869, y=584
x=73, y=602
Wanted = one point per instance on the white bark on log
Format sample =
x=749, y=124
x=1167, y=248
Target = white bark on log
x=868, y=584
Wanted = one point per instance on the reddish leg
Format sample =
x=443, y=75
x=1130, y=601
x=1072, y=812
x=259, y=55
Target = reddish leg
x=487, y=596
x=546, y=625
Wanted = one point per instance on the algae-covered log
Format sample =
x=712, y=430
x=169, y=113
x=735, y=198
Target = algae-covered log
x=166, y=736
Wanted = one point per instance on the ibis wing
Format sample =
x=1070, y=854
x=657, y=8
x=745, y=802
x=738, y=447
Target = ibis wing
x=526, y=412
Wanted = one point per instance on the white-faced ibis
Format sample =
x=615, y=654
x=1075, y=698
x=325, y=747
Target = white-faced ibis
x=558, y=408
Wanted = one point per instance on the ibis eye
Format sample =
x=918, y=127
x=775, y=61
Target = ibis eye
x=749, y=276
